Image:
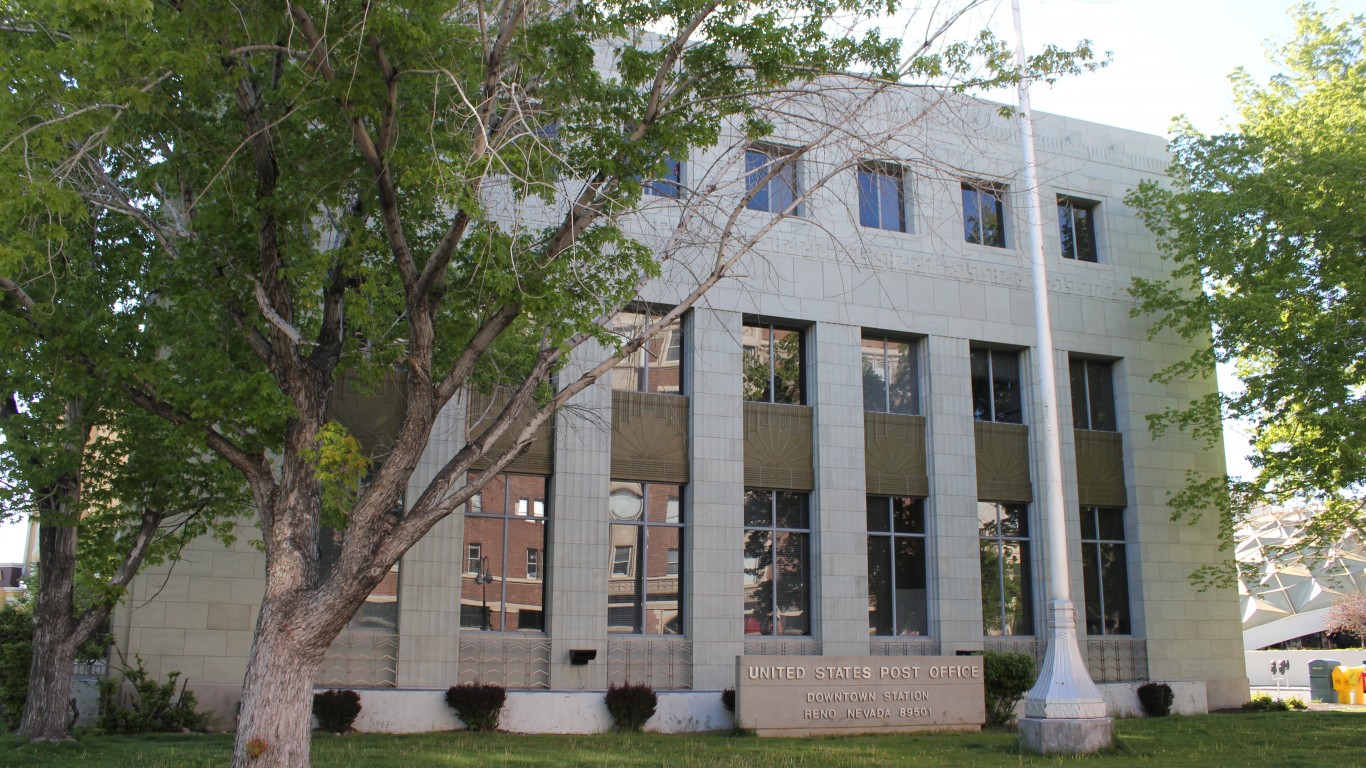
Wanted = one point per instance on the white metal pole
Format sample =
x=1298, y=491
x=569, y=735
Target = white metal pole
x=1064, y=712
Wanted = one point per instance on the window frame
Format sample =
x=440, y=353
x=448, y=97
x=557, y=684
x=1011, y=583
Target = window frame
x=913, y=353
x=893, y=536
x=512, y=502
x=992, y=391
x=638, y=556
x=781, y=165
x=980, y=191
x=1067, y=207
x=670, y=354
x=1085, y=405
x=1026, y=574
x=773, y=529
x=770, y=389
x=1094, y=539
x=870, y=175
x=670, y=185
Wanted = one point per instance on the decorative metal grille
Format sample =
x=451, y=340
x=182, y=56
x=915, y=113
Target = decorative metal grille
x=901, y=647
x=660, y=664
x=1117, y=659
x=782, y=647
x=360, y=660
x=512, y=662
x=1028, y=645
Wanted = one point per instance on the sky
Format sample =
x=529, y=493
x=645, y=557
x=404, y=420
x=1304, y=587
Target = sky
x=1170, y=57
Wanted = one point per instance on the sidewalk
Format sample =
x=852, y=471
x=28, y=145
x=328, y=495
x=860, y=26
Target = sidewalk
x=1314, y=706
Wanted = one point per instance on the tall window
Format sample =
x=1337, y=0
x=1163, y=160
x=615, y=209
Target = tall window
x=881, y=197
x=1077, y=228
x=772, y=179
x=1093, y=395
x=777, y=570
x=644, y=582
x=897, y=602
x=670, y=184
x=1105, y=569
x=503, y=589
x=655, y=367
x=773, y=365
x=984, y=216
x=1007, y=591
x=996, y=386
x=890, y=376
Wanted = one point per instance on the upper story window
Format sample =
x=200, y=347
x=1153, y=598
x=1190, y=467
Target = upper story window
x=882, y=196
x=772, y=179
x=984, y=216
x=773, y=364
x=996, y=386
x=1077, y=228
x=670, y=184
x=890, y=376
x=655, y=367
x=1093, y=395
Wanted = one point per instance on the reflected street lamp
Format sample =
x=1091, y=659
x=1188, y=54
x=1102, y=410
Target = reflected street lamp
x=484, y=578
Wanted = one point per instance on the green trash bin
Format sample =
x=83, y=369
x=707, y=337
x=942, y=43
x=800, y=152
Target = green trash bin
x=1321, y=680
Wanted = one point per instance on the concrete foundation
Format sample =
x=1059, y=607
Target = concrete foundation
x=1066, y=736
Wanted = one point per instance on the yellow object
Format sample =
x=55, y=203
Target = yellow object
x=1347, y=683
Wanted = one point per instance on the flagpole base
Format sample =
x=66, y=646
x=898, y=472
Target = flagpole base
x=1068, y=736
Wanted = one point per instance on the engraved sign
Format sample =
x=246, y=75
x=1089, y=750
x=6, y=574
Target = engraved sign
x=808, y=695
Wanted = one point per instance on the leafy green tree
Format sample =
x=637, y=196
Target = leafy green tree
x=272, y=200
x=1266, y=227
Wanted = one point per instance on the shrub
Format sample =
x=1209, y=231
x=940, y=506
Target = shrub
x=1156, y=699
x=1295, y=702
x=154, y=707
x=16, y=647
x=336, y=710
x=478, y=704
x=631, y=705
x=728, y=699
x=1009, y=676
x=1261, y=702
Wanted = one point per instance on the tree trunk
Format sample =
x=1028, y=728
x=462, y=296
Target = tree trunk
x=54, y=640
x=49, y=684
x=277, y=696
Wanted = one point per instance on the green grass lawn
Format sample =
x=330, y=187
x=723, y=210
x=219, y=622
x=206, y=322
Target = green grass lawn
x=1279, y=739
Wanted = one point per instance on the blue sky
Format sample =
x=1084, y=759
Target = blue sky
x=1170, y=57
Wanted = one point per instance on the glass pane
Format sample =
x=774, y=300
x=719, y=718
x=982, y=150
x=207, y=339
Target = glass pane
x=1015, y=520
x=1080, y=413
x=1084, y=227
x=1065, y=231
x=1088, y=523
x=990, y=554
x=663, y=582
x=787, y=367
x=1102, y=396
x=758, y=582
x=1111, y=522
x=757, y=365
x=1017, y=603
x=629, y=374
x=792, y=594
x=758, y=508
x=987, y=519
x=908, y=515
x=1005, y=382
x=972, y=224
x=877, y=507
x=879, y=585
x=663, y=502
x=993, y=219
x=783, y=189
x=481, y=586
x=912, y=614
x=1090, y=572
x=874, y=375
x=530, y=489
x=981, y=385
x=1114, y=577
x=626, y=501
x=756, y=168
x=792, y=510
x=903, y=390
x=868, y=207
x=664, y=355
x=623, y=588
x=893, y=212
x=525, y=596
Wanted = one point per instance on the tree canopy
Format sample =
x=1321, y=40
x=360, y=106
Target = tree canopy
x=1266, y=226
